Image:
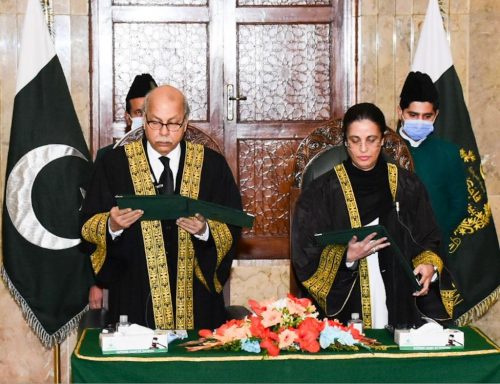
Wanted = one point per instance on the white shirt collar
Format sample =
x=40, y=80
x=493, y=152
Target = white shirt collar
x=157, y=165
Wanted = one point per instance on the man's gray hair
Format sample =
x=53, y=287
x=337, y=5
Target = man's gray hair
x=187, y=110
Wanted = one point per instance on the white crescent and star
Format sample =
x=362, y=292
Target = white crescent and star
x=18, y=195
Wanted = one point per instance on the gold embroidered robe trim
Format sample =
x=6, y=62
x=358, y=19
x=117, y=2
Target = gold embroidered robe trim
x=393, y=179
x=428, y=257
x=154, y=247
x=190, y=187
x=199, y=274
x=223, y=242
x=450, y=298
x=320, y=283
x=94, y=231
x=355, y=219
x=350, y=199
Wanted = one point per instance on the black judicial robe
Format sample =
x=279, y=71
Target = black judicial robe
x=323, y=207
x=124, y=270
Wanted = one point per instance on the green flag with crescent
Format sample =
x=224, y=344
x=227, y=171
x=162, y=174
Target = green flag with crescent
x=44, y=267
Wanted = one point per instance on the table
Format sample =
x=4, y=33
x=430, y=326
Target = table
x=478, y=362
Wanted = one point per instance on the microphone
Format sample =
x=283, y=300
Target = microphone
x=396, y=205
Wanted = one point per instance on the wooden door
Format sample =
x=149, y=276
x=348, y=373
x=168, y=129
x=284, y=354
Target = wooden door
x=284, y=58
x=288, y=59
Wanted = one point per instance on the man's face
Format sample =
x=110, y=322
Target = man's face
x=419, y=110
x=167, y=108
x=135, y=110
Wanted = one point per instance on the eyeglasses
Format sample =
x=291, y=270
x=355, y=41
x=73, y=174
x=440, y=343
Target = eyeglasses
x=156, y=125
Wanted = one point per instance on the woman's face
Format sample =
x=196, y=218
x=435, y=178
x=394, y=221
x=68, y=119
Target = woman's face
x=364, y=143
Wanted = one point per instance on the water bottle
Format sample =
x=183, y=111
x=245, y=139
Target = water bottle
x=356, y=322
x=123, y=323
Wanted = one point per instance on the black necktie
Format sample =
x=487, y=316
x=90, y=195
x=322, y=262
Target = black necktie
x=166, y=178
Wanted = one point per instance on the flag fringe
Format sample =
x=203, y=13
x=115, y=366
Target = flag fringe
x=47, y=340
x=479, y=309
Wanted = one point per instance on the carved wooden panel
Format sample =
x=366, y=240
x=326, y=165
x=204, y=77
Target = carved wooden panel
x=284, y=70
x=395, y=147
x=316, y=142
x=197, y=136
x=173, y=53
x=266, y=175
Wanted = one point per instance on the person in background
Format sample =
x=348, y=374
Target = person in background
x=134, y=103
x=365, y=276
x=437, y=162
x=164, y=274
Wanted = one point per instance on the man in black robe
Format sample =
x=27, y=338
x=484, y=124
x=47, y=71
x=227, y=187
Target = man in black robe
x=365, y=189
x=166, y=274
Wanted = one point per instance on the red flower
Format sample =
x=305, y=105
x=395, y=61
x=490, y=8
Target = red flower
x=305, y=302
x=256, y=307
x=338, y=324
x=207, y=333
x=256, y=327
x=311, y=325
x=271, y=346
x=308, y=332
x=309, y=345
x=355, y=332
x=222, y=329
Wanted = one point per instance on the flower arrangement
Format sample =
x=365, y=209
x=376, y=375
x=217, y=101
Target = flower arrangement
x=289, y=324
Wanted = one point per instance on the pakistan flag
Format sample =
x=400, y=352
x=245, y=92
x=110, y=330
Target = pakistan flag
x=48, y=165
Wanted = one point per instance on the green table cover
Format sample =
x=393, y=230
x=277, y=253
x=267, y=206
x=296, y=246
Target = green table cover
x=478, y=362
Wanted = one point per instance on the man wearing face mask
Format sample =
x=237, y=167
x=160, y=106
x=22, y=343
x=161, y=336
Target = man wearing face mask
x=134, y=103
x=141, y=85
x=437, y=162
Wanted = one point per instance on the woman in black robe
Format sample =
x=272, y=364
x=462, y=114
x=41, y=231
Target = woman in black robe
x=365, y=276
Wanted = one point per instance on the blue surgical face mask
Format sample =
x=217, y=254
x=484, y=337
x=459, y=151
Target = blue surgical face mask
x=136, y=122
x=418, y=130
